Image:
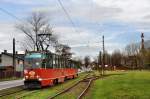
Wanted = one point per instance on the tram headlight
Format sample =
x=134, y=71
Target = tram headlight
x=37, y=76
x=25, y=71
x=40, y=79
x=26, y=77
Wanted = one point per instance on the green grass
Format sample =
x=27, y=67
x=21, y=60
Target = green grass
x=121, y=85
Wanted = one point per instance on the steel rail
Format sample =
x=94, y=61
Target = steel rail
x=85, y=90
x=24, y=95
x=85, y=79
x=11, y=93
x=61, y=92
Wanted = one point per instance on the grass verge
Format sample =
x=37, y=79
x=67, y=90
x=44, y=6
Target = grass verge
x=121, y=85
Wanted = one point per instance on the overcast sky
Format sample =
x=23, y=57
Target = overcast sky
x=120, y=21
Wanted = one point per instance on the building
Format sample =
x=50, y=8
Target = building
x=6, y=60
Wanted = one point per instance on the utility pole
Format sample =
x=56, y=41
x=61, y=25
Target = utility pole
x=14, y=51
x=142, y=49
x=100, y=63
x=142, y=42
x=103, y=59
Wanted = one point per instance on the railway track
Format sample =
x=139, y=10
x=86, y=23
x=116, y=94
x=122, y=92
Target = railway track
x=84, y=84
x=21, y=92
x=25, y=94
x=17, y=91
x=7, y=93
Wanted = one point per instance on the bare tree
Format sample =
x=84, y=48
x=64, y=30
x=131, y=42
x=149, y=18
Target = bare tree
x=132, y=49
x=63, y=50
x=87, y=61
x=133, y=52
x=147, y=58
x=116, y=58
x=39, y=33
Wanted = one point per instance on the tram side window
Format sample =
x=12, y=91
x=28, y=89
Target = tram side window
x=75, y=65
x=69, y=65
x=60, y=65
x=65, y=63
x=49, y=61
x=54, y=62
x=62, y=62
x=72, y=65
x=44, y=63
x=58, y=62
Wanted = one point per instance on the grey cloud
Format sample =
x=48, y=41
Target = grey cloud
x=94, y=12
x=146, y=17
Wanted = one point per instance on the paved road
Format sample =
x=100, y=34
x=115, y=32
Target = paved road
x=9, y=84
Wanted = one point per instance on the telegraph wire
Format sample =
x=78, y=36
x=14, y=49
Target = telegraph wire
x=67, y=14
x=10, y=14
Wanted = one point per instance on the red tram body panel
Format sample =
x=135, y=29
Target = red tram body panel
x=39, y=76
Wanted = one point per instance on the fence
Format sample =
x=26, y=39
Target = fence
x=10, y=74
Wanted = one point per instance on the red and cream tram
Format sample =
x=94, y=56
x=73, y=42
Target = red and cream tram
x=45, y=68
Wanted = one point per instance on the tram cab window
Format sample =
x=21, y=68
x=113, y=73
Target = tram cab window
x=32, y=63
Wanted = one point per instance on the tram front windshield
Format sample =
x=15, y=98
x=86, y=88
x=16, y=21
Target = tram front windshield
x=33, y=61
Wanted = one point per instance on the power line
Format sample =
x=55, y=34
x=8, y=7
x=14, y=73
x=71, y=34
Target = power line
x=67, y=14
x=10, y=14
x=92, y=16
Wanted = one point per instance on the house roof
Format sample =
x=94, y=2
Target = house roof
x=18, y=56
